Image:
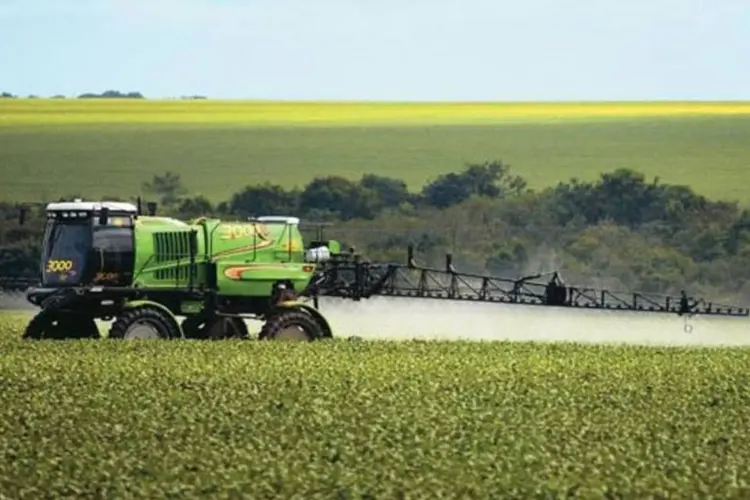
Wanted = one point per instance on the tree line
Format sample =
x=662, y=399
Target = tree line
x=107, y=94
x=619, y=231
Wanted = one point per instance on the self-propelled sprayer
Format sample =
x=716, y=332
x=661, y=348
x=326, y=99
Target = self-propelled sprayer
x=104, y=260
x=107, y=261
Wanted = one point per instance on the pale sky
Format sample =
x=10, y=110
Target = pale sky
x=379, y=49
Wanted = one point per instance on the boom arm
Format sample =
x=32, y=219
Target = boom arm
x=346, y=275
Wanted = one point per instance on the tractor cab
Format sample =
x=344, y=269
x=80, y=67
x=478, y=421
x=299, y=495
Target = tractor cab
x=88, y=243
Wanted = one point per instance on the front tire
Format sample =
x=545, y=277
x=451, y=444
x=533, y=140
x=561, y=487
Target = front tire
x=58, y=325
x=292, y=324
x=144, y=322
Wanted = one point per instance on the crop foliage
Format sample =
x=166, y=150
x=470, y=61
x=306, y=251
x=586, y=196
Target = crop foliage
x=377, y=419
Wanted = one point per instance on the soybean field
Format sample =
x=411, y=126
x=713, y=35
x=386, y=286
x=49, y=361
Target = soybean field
x=369, y=419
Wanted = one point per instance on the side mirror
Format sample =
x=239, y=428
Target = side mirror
x=104, y=216
x=151, y=207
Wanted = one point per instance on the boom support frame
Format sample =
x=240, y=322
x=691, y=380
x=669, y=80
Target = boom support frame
x=349, y=276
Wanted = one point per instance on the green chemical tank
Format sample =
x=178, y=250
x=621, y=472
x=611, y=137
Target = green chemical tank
x=105, y=261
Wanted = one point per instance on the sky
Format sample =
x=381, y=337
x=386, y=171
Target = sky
x=439, y=50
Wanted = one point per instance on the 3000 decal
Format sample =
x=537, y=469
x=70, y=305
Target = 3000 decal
x=59, y=266
x=235, y=231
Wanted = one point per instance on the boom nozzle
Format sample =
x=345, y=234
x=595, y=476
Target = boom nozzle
x=449, y=268
x=410, y=257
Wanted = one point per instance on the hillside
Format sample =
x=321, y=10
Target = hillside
x=50, y=148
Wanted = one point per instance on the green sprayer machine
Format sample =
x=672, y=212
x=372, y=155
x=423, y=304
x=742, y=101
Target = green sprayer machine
x=164, y=278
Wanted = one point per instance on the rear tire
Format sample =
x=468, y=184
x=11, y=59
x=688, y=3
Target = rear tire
x=144, y=322
x=58, y=325
x=291, y=324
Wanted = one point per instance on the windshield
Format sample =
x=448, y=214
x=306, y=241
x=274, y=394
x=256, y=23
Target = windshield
x=66, y=251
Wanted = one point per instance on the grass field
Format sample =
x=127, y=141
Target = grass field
x=50, y=148
x=369, y=420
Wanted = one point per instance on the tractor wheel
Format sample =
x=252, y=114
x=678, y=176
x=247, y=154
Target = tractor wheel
x=57, y=325
x=144, y=322
x=291, y=324
x=219, y=327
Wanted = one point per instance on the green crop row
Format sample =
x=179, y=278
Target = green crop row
x=369, y=420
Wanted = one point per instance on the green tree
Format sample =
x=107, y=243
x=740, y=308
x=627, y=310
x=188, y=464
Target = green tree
x=195, y=207
x=389, y=193
x=337, y=197
x=264, y=199
x=168, y=187
x=490, y=179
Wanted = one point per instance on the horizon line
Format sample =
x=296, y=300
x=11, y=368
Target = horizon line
x=369, y=101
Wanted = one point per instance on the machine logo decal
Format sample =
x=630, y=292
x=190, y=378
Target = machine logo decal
x=59, y=266
x=234, y=231
x=105, y=277
x=258, y=235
